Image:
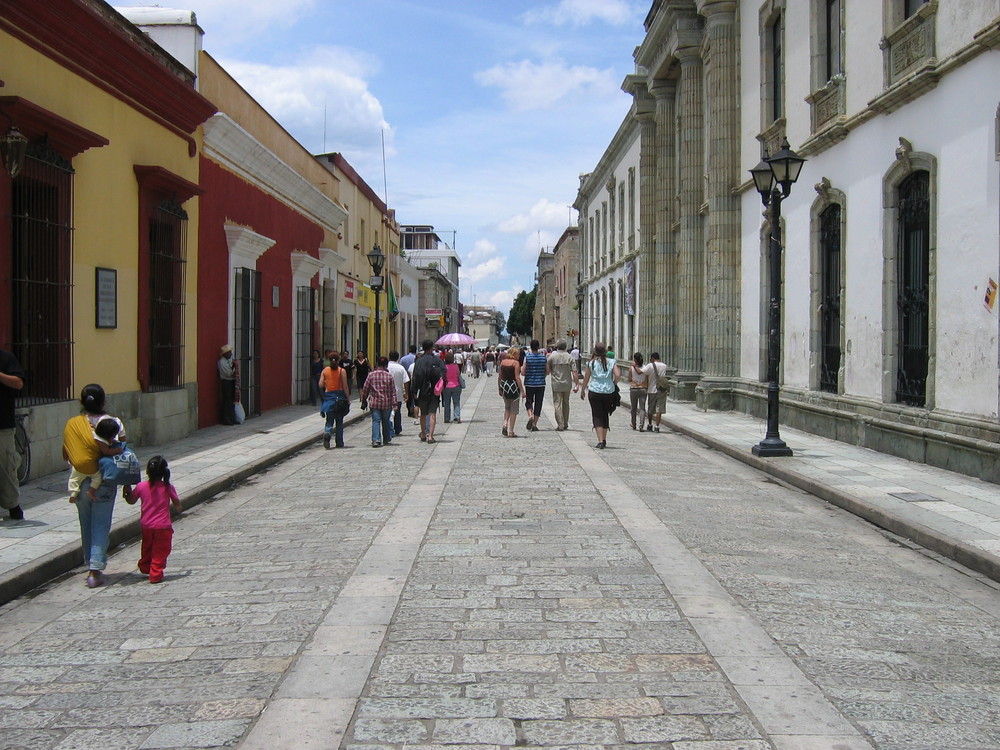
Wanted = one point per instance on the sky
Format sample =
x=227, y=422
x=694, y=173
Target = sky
x=489, y=110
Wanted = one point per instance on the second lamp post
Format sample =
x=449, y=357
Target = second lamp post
x=778, y=171
x=377, y=260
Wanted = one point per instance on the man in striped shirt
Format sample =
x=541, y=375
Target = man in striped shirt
x=534, y=384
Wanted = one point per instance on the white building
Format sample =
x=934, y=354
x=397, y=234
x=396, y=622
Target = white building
x=890, y=334
x=610, y=262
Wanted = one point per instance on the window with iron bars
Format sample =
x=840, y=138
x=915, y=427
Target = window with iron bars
x=829, y=247
x=41, y=275
x=913, y=290
x=167, y=242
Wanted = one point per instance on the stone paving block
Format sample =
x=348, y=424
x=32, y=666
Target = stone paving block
x=381, y=730
x=497, y=731
x=570, y=732
x=616, y=708
x=100, y=739
x=195, y=734
x=484, y=663
x=426, y=708
x=663, y=729
x=533, y=708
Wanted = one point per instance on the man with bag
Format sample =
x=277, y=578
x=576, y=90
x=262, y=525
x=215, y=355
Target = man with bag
x=428, y=372
x=658, y=378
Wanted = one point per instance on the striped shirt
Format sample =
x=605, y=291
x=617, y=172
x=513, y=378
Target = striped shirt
x=534, y=370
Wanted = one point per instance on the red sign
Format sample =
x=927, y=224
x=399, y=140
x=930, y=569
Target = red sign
x=349, y=288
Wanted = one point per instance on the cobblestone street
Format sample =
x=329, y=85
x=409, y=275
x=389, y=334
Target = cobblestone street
x=486, y=592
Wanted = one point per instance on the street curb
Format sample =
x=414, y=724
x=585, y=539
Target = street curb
x=954, y=549
x=31, y=575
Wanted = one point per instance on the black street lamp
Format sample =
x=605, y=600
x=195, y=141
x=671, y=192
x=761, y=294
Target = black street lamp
x=377, y=260
x=778, y=171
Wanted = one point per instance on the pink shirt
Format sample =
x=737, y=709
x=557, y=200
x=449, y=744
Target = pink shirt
x=155, y=504
x=451, y=376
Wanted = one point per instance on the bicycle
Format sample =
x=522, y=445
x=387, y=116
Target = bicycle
x=23, y=446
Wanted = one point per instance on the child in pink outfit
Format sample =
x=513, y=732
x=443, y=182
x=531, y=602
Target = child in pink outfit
x=157, y=496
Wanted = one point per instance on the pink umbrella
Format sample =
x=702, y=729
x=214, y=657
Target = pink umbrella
x=455, y=339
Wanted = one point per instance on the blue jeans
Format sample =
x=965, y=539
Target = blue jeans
x=334, y=424
x=381, y=426
x=95, y=523
x=452, y=398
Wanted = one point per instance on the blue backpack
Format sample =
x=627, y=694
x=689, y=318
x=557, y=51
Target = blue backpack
x=121, y=469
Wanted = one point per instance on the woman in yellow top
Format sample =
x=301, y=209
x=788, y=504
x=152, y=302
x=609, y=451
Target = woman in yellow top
x=82, y=449
x=335, y=383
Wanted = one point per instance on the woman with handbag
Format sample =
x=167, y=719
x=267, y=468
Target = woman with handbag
x=83, y=450
x=600, y=382
x=511, y=389
x=335, y=382
x=452, y=392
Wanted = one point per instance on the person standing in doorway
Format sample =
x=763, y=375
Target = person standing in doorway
x=228, y=385
x=563, y=380
x=11, y=381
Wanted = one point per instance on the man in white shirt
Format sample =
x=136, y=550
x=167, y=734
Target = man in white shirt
x=656, y=397
x=401, y=378
x=563, y=379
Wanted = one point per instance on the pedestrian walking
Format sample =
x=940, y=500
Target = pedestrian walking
x=315, y=370
x=563, y=380
x=105, y=432
x=489, y=359
x=638, y=389
x=599, y=382
x=401, y=379
x=361, y=369
x=656, y=392
x=407, y=361
x=11, y=381
x=534, y=384
x=379, y=395
x=157, y=496
x=83, y=450
x=229, y=385
x=452, y=393
x=511, y=389
x=335, y=382
x=427, y=371
x=476, y=362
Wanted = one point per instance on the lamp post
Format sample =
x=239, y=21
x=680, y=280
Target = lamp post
x=13, y=147
x=778, y=171
x=377, y=260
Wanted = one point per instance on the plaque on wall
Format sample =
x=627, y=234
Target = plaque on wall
x=106, y=297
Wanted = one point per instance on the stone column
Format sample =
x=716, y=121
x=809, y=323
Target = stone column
x=662, y=308
x=722, y=247
x=647, y=278
x=691, y=250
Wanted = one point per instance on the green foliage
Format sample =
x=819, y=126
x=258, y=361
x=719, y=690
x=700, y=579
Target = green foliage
x=522, y=313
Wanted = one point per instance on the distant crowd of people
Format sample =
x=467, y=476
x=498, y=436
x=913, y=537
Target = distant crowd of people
x=421, y=382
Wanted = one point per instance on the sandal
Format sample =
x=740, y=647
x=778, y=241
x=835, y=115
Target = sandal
x=431, y=440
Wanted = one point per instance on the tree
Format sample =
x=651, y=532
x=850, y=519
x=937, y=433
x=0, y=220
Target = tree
x=499, y=321
x=522, y=313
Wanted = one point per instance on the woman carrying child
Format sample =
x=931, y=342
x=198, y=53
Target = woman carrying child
x=157, y=496
x=83, y=449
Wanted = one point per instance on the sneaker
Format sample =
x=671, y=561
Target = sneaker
x=16, y=514
x=656, y=429
x=376, y=444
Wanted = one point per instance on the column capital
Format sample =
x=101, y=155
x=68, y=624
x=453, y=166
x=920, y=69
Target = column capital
x=717, y=9
x=663, y=88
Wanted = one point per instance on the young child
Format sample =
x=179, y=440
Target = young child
x=106, y=433
x=157, y=496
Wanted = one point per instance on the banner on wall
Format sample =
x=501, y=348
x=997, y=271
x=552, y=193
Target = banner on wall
x=630, y=287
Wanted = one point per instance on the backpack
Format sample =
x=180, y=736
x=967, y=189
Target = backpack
x=121, y=469
x=662, y=381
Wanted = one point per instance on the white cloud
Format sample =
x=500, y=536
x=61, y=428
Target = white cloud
x=486, y=270
x=527, y=85
x=502, y=300
x=582, y=12
x=544, y=214
x=322, y=98
x=233, y=20
x=481, y=250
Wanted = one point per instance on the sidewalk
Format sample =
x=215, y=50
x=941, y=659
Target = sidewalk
x=951, y=514
x=46, y=544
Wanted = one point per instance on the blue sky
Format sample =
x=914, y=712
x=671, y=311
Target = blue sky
x=490, y=109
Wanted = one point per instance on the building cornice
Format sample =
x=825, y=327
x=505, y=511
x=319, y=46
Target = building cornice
x=235, y=149
x=99, y=45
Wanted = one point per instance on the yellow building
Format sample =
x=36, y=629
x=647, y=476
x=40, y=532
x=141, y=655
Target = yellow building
x=97, y=223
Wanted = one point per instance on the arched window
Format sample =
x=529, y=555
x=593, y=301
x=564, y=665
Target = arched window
x=829, y=289
x=913, y=289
